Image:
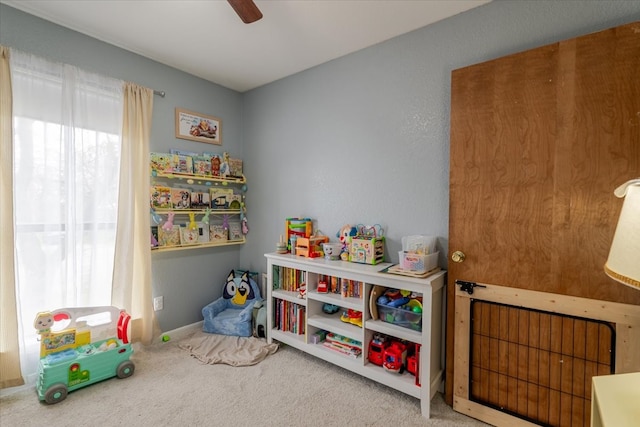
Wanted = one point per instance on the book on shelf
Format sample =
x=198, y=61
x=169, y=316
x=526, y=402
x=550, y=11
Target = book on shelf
x=345, y=287
x=161, y=162
x=203, y=232
x=289, y=317
x=343, y=345
x=215, y=164
x=154, y=236
x=235, y=167
x=167, y=238
x=217, y=233
x=346, y=350
x=220, y=197
x=189, y=236
x=180, y=198
x=200, y=200
x=235, y=231
x=202, y=165
x=182, y=163
x=160, y=197
x=183, y=152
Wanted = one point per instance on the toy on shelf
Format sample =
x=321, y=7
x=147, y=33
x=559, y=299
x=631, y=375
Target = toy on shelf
x=168, y=225
x=352, y=316
x=323, y=286
x=281, y=246
x=302, y=291
x=395, y=357
x=367, y=246
x=344, y=234
x=400, y=308
x=310, y=247
x=377, y=345
x=297, y=227
x=332, y=251
x=80, y=346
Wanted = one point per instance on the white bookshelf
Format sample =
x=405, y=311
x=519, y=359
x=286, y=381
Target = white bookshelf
x=431, y=337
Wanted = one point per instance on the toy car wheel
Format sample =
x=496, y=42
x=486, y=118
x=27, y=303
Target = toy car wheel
x=125, y=369
x=56, y=393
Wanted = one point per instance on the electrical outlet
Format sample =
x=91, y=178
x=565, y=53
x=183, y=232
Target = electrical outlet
x=158, y=303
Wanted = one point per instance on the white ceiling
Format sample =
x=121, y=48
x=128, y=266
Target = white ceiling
x=207, y=39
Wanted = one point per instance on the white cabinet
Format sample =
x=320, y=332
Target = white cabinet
x=305, y=317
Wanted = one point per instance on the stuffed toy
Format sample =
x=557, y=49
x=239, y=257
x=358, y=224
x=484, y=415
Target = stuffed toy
x=343, y=235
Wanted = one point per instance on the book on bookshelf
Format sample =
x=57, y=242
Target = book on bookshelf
x=202, y=165
x=235, y=231
x=217, y=233
x=182, y=163
x=289, y=317
x=160, y=197
x=235, y=167
x=180, y=198
x=161, y=162
x=220, y=197
x=200, y=200
x=167, y=238
x=189, y=236
x=215, y=165
x=203, y=232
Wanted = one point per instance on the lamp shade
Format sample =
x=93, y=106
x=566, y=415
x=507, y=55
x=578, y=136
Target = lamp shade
x=623, y=263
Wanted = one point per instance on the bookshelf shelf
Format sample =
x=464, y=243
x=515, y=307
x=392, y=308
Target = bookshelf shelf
x=220, y=200
x=285, y=272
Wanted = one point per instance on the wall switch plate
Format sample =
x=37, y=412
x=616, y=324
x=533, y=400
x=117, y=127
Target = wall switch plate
x=158, y=303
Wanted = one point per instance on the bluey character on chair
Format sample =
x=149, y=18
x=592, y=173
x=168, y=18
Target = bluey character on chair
x=240, y=292
x=232, y=313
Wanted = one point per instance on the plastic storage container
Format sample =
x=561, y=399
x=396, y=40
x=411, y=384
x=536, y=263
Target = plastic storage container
x=418, y=263
x=400, y=316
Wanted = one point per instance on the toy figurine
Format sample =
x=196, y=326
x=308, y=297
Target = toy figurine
x=205, y=218
x=168, y=226
x=192, y=221
x=43, y=322
x=302, y=291
x=343, y=235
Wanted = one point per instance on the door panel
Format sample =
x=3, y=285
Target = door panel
x=539, y=141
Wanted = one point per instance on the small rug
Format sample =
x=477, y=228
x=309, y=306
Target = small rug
x=234, y=351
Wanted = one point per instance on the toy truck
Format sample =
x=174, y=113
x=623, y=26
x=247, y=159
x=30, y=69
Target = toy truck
x=79, y=347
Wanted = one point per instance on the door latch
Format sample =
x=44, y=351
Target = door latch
x=468, y=286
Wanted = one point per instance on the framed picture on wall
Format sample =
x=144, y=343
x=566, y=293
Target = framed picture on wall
x=198, y=127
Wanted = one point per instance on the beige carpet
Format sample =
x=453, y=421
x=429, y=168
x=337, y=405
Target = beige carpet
x=172, y=388
x=234, y=351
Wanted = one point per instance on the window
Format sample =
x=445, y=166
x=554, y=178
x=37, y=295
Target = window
x=67, y=141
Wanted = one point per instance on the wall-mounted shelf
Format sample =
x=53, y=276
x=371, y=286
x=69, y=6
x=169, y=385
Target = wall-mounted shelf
x=227, y=208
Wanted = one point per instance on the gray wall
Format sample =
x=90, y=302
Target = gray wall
x=365, y=138
x=361, y=139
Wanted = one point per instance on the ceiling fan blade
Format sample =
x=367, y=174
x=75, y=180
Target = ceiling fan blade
x=246, y=10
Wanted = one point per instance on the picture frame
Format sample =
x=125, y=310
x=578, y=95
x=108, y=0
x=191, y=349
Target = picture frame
x=198, y=127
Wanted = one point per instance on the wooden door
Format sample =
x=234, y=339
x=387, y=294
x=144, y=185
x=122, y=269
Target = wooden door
x=539, y=141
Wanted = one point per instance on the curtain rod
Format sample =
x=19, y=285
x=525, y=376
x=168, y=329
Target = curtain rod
x=160, y=93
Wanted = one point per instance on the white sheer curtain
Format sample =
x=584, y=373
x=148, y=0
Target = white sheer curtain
x=67, y=139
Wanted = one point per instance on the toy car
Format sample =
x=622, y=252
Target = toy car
x=81, y=352
x=376, y=349
x=395, y=357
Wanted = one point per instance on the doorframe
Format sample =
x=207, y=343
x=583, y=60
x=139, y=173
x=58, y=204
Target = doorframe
x=626, y=318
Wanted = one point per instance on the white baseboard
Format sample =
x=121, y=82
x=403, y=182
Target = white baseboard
x=182, y=331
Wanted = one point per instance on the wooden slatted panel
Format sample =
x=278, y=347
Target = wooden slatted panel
x=537, y=365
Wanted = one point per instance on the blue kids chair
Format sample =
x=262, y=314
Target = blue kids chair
x=231, y=314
